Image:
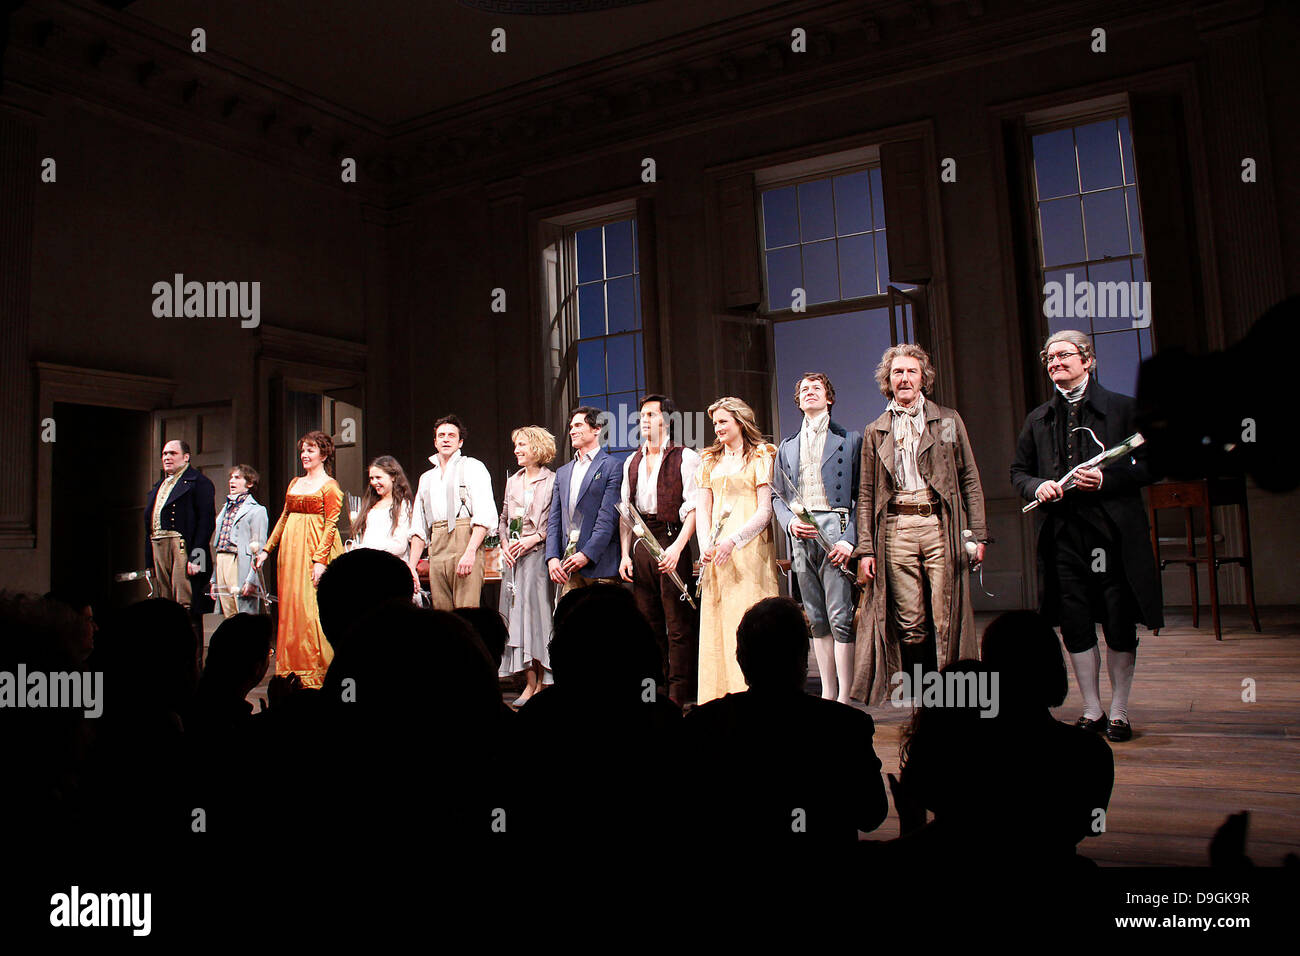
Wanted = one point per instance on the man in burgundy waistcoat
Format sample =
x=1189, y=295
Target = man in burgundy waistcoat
x=660, y=479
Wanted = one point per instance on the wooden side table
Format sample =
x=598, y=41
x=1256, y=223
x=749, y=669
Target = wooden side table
x=1204, y=495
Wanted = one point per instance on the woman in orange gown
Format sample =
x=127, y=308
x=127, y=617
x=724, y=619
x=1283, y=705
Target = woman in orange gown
x=308, y=537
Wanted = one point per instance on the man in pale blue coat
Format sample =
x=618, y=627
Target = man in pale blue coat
x=820, y=464
x=240, y=533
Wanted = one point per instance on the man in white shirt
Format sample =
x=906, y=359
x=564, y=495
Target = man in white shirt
x=454, y=510
x=660, y=479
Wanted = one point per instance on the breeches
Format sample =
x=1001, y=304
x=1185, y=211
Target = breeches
x=826, y=593
x=447, y=589
x=916, y=575
x=1092, y=588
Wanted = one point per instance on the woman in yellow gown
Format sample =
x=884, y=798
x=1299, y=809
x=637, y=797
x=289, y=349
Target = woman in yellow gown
x=308, y=536
x=737, y=547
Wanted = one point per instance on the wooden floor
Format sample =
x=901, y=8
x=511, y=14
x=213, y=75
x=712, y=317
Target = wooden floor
x=1198, y=751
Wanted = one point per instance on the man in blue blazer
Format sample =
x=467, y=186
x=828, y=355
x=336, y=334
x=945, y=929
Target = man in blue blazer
x=584, y=509
x=820, y=463
x=179, y=520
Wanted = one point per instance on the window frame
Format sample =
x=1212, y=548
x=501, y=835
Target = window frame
x=1072, y=116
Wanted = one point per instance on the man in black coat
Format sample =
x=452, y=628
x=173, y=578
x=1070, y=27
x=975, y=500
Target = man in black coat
x=1094, y=547
x=179, y=520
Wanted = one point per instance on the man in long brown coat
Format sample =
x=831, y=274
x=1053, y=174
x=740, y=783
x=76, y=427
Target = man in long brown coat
x=920, y=492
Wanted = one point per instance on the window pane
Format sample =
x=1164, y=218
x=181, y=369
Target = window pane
x=820, y=343
x=1054, y=167
x=1059, y=321
x=882, y=260
x=591, y=367
x=591, y=310
x=852, y=204
x=620, y=294
x=1112, y=308
x=816, y=213
x=640, y=364
x=1134, y=219
x=877, y=198
x=618, y=248
x=1117, y=361
x=820, y=272
x=619, y=354
x=780, y=218
x=1144, y=337
x=1062, y=229
x=1105, y=224
x=636, y=252
x=857, y=266
x=622, y=409
x=1139, y=270
x=1099, y=164
x=784, y=273
x=1126, y=148
x=591, y=262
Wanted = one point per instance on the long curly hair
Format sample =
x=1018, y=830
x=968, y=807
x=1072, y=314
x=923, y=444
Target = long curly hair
x=403, y=497
x=751, y=437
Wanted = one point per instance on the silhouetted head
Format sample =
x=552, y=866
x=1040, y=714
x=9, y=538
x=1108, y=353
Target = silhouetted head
x=354, y=585
x=238, y=655
x=149, y=658
x=1022, y=647
x=416, y=669
x=772, y=646
x=602, y=645
x=490, y=627
x=943, y=749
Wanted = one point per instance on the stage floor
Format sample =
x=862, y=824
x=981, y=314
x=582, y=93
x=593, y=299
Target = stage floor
x=1199, y=752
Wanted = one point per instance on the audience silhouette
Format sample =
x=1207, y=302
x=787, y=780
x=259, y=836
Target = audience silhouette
x=774, y=762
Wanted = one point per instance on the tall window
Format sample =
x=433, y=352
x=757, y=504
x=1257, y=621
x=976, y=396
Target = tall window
x=596, y=339
x=1090, y=242
x=826, y=237
x=828, y=291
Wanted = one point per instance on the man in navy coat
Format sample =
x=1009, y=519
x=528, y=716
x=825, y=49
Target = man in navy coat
x=820, y=463
x=584, y=509
x=179, y=520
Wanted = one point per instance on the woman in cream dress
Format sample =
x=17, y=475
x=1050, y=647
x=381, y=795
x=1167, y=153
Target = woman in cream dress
x=738, y=562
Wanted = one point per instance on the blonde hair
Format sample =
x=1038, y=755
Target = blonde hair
x=750, y=436
x=905, y=350
x=1079, y=340
x=540, y=442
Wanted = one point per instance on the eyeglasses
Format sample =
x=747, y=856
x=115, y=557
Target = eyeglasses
x=1058, y=356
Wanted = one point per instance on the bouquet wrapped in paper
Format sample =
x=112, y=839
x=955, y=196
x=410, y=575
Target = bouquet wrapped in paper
x=657, y=551
x=790, y=498
x=1069, y=479
x=724, y=512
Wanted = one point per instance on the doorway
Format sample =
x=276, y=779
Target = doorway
x=100, y=484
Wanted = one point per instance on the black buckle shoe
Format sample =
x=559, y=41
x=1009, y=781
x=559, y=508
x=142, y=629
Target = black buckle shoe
x=1097, y=726
x=1118, y=731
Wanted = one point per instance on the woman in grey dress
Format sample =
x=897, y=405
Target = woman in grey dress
x=526, y=588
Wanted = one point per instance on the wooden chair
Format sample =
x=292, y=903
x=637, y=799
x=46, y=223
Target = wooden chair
x=1204, y=495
